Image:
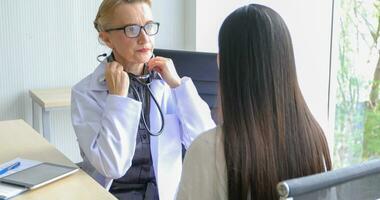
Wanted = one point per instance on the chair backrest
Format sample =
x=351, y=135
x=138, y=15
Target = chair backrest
x=361, y=181
x=201, y=67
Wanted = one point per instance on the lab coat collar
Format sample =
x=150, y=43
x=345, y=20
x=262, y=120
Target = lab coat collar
x=98, y=82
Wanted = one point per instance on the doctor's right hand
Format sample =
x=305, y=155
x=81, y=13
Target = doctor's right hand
x=117, y=79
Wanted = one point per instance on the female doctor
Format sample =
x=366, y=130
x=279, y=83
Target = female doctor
x=130, y=134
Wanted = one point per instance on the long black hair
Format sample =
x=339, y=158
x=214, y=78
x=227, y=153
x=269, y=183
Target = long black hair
x=269, y=133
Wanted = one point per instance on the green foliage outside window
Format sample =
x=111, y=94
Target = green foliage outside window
x=357, y=120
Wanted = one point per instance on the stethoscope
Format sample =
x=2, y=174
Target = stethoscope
x=145, y=80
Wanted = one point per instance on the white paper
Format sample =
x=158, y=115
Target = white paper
x=24, y=164
x=7, y=191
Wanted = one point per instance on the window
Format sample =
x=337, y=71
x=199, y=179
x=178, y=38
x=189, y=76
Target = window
x=357, y=111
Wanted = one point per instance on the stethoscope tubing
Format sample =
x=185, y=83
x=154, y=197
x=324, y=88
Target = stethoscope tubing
x=142, y=112
x=146, y=84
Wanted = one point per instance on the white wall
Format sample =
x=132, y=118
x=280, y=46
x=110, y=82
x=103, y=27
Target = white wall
x=209, y=18
x=190, y=25
x=171, y=15
x=45, y=44
x=48, y=44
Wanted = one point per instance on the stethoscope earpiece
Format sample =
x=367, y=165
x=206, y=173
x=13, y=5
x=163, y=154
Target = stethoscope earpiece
x=101, y=55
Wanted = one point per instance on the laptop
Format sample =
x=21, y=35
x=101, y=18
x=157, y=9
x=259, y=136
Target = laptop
x=39, y=175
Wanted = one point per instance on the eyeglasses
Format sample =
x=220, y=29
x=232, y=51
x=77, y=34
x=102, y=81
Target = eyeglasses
x=133, y=30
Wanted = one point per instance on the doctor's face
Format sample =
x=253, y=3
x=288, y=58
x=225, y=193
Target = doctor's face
x=130, y=50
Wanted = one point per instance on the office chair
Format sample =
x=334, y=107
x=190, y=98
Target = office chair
x=357, y=182
x=201, y=67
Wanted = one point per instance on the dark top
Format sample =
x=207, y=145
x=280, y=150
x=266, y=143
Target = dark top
x=139, y=182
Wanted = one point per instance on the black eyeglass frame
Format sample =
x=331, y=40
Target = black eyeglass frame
x=141, y=27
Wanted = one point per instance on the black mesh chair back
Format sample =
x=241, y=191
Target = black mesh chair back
x=201, y=68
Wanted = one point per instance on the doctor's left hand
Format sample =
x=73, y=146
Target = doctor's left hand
x=165, y=67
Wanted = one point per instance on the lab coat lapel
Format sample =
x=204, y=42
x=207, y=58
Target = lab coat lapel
x=157, y=88
x=166, y=148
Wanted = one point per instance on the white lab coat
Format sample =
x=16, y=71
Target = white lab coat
x=106, y=128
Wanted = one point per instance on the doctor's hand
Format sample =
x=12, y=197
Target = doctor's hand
x=117, y=79
x=165, y=67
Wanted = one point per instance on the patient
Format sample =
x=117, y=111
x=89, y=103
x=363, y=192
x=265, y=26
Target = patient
x=268, y=133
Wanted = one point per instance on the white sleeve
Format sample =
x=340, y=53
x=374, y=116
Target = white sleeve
x=106, y=136
x=193, y=113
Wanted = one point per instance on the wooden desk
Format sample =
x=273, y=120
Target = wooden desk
x=18, y=139
x=48, y=100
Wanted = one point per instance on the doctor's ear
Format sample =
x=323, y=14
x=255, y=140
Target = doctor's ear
x=104, y=39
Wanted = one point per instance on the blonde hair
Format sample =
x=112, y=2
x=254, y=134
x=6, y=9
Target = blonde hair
x=106, y=10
